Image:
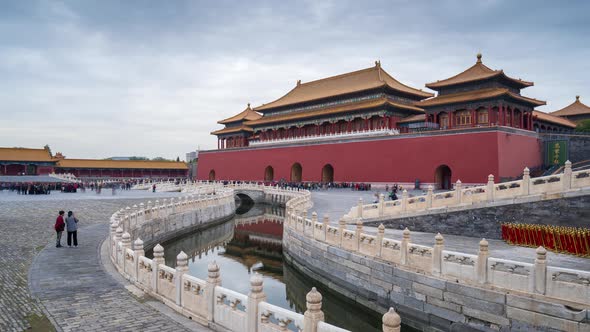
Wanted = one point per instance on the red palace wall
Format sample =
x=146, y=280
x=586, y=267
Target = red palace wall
x=471, y=156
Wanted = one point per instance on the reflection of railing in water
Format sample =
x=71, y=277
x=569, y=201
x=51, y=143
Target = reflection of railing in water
x=337, y=309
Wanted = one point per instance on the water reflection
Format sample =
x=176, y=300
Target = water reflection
x=250, y=243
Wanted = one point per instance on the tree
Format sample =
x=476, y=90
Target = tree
x=583, y=126
x=177, y=159
x=46, y=147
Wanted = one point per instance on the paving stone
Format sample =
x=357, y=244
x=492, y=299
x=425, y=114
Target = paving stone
x=75, y=300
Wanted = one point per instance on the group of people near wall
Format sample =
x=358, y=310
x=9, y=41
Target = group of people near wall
x=70, y=224
x=561, y=239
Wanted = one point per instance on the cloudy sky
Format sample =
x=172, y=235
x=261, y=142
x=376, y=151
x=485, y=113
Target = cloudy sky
x=95, y=79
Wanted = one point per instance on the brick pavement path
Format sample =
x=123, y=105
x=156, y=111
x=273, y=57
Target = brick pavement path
x=79, y=295
x=25, y=229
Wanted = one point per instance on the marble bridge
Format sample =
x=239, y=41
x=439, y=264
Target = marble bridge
x=431, y=286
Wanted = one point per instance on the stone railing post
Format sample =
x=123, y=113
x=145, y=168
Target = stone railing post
x=357, y=235
x=118, y=238
x=359, y=209
x=490, y=188
x=429, y=197
x=458, y=192
x=213, y=280
x=326, y=222
x=314, y=220
x=313, y=315
x=255, y=296
x=526, y=182
x=113, y=238
x=541, y=271
x=404, y=246
x=482, y=262
x=141, y=213
x=567, y=176
x=392, y=322
x=404, y=200
x=381, y=204
x=437, y=254
x=158, y=259
x=138, y=251
x=379, y=240
x=341, y=228
x=181, y=269
x=126, y=244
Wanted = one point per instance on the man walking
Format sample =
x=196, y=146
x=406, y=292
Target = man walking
x=59, y=228
x=72, y=227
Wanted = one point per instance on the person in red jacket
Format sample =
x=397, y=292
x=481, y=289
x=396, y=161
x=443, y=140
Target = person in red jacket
x=59, y=228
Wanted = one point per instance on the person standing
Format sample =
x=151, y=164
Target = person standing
x=59, y=228
x=72, y=227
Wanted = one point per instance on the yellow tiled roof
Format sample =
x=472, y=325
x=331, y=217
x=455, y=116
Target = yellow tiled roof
x=355, y=81
x=575, y=108
x=333, y=110
x=24, y=154
x=553, y=119
x=477, y=72
x=476, y=95
x=231, y=130
x=246, y=115
x=135, y=164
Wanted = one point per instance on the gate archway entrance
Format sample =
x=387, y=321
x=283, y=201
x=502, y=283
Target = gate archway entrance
x=327, y=173
x=442, y=177
x=212, y=175
x=296, y=172
x=269, y=174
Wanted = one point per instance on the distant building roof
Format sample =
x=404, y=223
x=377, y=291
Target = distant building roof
x=246, y=115
x=553, y=119
x=476, y=95
x=361, y=80
x=135, y=164
x=575, y=108
x=477, y=72
x=24, y=154
x=231, y=130
x=380, y=102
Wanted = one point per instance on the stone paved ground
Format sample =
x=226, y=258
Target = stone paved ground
x=25, y=228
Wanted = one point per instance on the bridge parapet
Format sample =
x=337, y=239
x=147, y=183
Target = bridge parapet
x=568, y=184
x=455, y=286
x=205, y=301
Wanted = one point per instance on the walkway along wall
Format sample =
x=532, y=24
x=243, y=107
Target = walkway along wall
x=205, y=301
x=562, y=199
x=470, y=154
x=432, y=287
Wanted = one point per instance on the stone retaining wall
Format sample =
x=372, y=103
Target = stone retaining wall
x=485, y=222
x=427, y=302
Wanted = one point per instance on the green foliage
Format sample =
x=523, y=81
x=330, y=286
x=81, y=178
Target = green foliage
x=583, y=126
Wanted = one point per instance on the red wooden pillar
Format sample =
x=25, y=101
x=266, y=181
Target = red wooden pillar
x=531, y=121
x=512, y=117
x=521, y=125
x=473, y=119
x=451, y=118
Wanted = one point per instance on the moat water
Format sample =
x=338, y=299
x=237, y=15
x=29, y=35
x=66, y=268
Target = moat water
x=252, y=243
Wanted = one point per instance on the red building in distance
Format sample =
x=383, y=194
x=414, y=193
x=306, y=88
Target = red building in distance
x=23, y=161
x=365, y=126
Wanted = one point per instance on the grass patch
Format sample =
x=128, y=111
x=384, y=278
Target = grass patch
x=39, y=323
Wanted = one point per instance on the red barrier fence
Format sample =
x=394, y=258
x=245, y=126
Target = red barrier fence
x=567, y=240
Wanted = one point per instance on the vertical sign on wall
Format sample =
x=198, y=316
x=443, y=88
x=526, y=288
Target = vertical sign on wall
x=556, y=152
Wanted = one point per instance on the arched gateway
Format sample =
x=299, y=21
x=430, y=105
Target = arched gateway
x=269, y=173
x=212, y=175
x=442, y=177
x=327, y=173
x=296, y=172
